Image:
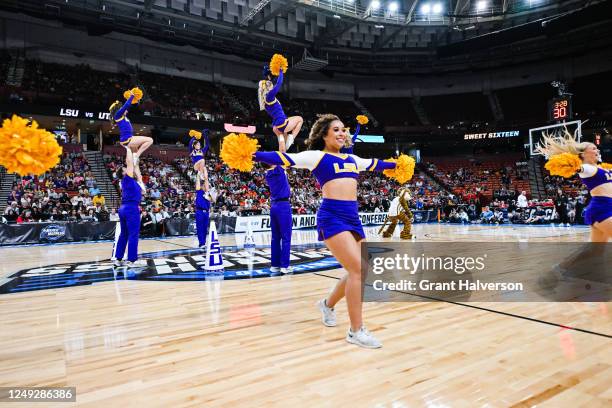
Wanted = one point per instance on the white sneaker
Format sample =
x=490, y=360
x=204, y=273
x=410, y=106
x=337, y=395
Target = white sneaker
x=117, y=263
x=275, y=269
x=286, y=270
x=363, y=338
x=140, y=263
x=328, y=314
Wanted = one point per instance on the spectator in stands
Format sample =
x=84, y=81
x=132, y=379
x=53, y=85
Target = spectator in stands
x=56, y=215
x=514, y=217
x=90, y=216
x=472, y=211
x=146, y=223
x=94, y=190
x=99, y=200
x=521, y=200
x=103, y=214
x=463, y=216
x=73, y=216
x=113, y=216
x=12, y=212
x=486, y=217
x=24, y=217
x=158, y=221
x=561, y=203
x=498, y=216
x=538, y=216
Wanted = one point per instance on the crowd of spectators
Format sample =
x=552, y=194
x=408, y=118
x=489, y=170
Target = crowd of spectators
x=165, y=96
x=66, y=193
x=168, y=193
x=481, y=178
x=69, y=193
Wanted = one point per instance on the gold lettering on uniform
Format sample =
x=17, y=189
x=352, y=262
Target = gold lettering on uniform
x=346, y=168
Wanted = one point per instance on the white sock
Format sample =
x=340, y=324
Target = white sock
x=290, y=139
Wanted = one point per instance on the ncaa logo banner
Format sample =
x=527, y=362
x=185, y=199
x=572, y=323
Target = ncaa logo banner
x=188, y=264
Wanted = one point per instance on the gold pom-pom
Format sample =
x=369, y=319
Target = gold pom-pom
x=27, y=149
x=137, y=95
x=196, y=134
x=563, y=164
x=606, y=166
x=277, y=63
x=362, y=119
x=237, y=151
x=404, y=168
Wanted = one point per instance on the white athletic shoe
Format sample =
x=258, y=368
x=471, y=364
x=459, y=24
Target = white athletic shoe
x=140, y=263
x=363, y=338
x=275, y=269
x=328, y=314
x=286, y=270
x=117, y=263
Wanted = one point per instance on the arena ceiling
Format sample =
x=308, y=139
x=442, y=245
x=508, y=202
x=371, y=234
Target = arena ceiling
x=356, y=36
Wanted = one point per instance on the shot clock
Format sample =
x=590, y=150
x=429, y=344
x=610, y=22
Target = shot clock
x=560, y=109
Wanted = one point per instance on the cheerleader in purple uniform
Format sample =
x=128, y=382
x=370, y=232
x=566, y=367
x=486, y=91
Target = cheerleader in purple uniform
x=566, y=157
x=285, y=129
x=118, y=116
x=129, y=214
x=198, y=149
x=280, y=219
x=338, y=222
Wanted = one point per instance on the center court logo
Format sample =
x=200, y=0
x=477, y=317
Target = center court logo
x=177, y=265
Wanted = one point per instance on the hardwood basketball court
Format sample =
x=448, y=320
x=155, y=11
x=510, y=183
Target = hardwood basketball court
x=260, y=342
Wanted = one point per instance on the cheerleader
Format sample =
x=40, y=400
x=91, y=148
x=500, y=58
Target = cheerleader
x=338, y=222
x=350, y=141
x=118, y=116
x=285, y=129
x=197, y=151
x=280, y=219
x=567, y=157
x=129, y=212
x=202, y=208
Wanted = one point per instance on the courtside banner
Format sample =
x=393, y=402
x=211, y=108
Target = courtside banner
x=486, y=271
x=262, y=222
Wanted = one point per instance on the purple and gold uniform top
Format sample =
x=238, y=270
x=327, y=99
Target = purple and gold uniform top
x=273, y=106
x=594, y=176
x=123, y=123
x=325, y=166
